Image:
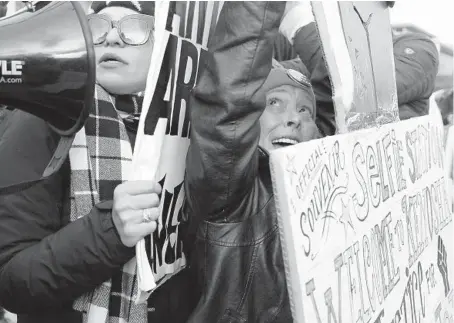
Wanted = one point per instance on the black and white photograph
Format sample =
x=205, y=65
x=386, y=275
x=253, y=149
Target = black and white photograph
x=226, y=161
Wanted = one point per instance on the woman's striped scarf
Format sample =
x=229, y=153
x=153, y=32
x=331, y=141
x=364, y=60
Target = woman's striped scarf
x=101, y=158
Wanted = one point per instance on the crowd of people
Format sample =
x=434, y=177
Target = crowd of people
x=277, y=93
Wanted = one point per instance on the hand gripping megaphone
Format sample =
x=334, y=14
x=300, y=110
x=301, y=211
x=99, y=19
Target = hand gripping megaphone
x=47, y=68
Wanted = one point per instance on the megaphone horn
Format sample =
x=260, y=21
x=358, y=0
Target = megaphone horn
x=47, y=64
x=47, y=68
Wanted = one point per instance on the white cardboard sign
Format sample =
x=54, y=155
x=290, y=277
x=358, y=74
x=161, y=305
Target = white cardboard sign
x=366, y=228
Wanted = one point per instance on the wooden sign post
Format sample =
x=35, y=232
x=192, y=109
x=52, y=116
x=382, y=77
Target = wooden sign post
x=359, y=53
x=366, y=227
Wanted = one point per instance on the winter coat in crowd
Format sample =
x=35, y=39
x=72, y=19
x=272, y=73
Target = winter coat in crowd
x=46, y=261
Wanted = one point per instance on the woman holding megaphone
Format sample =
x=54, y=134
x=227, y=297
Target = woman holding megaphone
x=66, y=242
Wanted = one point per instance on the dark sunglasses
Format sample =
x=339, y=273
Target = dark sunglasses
x=133, y=29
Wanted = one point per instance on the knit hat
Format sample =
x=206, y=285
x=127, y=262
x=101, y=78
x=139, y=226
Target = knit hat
x=280, y=75
x=143, y=7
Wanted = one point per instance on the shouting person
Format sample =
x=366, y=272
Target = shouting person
x=242, y=109
x=67, y=242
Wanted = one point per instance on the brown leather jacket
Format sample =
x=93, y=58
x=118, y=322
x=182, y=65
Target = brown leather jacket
x=237, y=252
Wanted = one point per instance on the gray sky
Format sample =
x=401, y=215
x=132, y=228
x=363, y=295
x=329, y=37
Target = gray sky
x=435, y=16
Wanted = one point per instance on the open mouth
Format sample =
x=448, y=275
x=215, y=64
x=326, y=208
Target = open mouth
x=284, y=142
x=110, y=58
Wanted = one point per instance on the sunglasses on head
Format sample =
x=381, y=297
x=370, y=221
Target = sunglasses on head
x=133, y=29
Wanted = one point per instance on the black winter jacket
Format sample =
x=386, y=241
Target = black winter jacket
x=237, y=252
x=46, y=261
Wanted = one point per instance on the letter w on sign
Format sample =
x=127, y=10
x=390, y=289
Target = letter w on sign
x=182, y=32
x=363, y=228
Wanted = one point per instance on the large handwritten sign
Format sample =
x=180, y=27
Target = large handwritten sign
x=366, y=227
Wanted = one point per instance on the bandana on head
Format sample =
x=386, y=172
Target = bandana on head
x=143, y=7
x=289, y=73
x=100, y=159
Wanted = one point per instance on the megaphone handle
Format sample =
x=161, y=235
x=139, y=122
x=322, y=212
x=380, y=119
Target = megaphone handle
x=59, y=157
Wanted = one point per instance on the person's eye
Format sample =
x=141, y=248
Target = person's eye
x=303, y=109
x=274, y=102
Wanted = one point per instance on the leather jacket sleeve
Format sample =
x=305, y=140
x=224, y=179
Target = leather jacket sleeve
x=44, y=261
x=308, y=46
x=222, y=161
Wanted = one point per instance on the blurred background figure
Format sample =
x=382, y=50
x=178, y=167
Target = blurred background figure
x=3, y=8
x=413, y=18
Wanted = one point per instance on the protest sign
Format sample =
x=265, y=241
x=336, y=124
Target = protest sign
x=182, y=33
x=364, y=217
x=366, y=224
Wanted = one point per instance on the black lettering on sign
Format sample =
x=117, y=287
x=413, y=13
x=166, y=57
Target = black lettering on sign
x=190, y=19
x=398, y=161
x=167, y=247
x=358, y=310
x=371, y=275
x=329, y=305
x=188, y=64
x=201, y=20
x=170, y=15
x=381, y=274
x=391, y=277
x=365, y=314
x=409, y=142
x=305, y=177
x=373, y=174
x=426, y=213
x=413, y=305
x=348, y=260
x=442, y=263
x=310, y=288
x=360, y=203
x=338, y=263
x=326, y=189
x=430, y=278
x=186, y=11
x=437, y=148
x=386, y=141
x=384, y=187
x=379, y=172
x=307, y=245
x=367, y=262
x=422, y=149
x=180, y=10
x=159, y=107
x=180, y=84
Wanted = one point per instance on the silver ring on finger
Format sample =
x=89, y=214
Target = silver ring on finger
x=146, y=215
